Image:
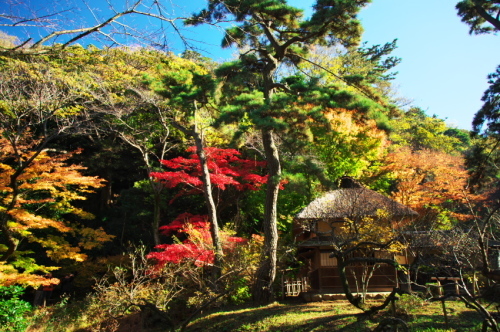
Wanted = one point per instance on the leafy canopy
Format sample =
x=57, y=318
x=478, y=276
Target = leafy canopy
x=197, y=247
x=35, y=207
x=426, y=178
x=225, y=166
x=489, y=113
x=481, y=15
x=347, y=145
x=419, y=131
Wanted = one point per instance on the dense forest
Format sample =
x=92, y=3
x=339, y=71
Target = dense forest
x=134, y=179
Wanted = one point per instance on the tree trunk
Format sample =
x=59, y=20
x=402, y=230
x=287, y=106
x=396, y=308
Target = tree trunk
x=6, y=231
x=10, y=241
x=207, y=192
x=212, y=212
x=263, y=291
x=484, y=14
x=266, y=273
x=156, y=189
x=356, y=301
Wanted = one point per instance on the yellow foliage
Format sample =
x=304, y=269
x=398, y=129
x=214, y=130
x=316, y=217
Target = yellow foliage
x=10, y=276
x=25, y=220
x=427, y=176
x=424, y=132
x=57, y=248
x=92, y=238
x=68, y=111
x=377, y=230
x=35, y=199
x=347, y=145
x=82, y=214
x=7, y=41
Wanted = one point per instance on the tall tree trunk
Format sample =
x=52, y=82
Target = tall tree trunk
x=263, y=291
x=266, y=273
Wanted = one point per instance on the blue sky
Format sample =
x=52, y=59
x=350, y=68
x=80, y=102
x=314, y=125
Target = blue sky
x=444, y=69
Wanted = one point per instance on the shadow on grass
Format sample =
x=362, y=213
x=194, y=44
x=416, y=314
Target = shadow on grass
x=466, y=320
x=278, y=317
x=336, y=322
x=457, y=321
x=330, y=316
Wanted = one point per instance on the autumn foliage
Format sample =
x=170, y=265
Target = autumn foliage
x=346, y=144
x=225, y=166
x=226, y=169
x=197, y=247
x=35, y=199
x=427, y=176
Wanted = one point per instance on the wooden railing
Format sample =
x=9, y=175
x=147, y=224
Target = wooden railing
x=293, y=287
x=440, y=286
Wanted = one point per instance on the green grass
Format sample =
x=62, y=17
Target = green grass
x=289, y=316
x=332, y=316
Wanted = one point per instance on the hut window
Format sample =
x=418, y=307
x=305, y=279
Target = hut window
x=383, y=255
x=326, y=260
x=401, y=259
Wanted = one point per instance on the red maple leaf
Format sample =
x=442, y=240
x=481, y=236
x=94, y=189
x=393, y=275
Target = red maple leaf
x=225, y=166
x=197, y=248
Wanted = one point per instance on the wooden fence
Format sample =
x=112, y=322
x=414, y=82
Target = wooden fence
x=293, y=287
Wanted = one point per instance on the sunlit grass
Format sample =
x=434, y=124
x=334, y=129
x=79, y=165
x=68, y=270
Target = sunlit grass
x=333, y=316
x=289, y=316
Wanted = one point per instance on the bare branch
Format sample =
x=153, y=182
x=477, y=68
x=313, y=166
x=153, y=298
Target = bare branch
x=80, y=33
x=23, y=21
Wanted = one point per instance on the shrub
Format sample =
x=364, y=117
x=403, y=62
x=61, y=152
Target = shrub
x=135, y=283
x=13, y=310
x=407, y=305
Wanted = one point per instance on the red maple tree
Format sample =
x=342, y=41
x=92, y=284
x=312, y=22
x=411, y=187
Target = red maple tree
x=225, y=166
x=226, y=169
x=197, y=247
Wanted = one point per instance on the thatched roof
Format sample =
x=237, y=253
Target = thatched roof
x=352, y=200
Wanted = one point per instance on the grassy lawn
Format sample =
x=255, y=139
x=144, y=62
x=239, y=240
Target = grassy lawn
x=334, y=316
x=282, y=316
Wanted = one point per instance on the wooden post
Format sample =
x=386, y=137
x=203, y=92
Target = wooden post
x=283, y=283
x=440, y=289
x=408, y=279
x=474, y=284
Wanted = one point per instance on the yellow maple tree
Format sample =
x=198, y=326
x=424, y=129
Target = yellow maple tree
x=347, y=144
x=426, y=176
x=37, y=191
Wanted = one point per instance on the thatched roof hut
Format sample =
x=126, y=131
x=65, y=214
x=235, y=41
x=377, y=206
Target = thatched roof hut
x=352, y=201
x=318, y=228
